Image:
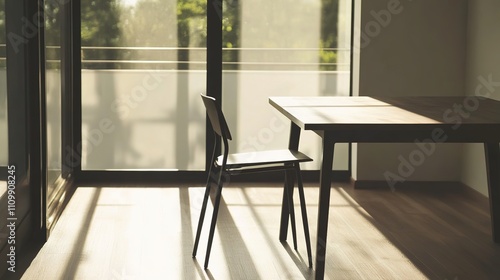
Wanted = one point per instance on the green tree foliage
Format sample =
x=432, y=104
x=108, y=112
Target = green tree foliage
x=231, y=33
x=52, y=34
x=100, y=23
x=183, y=24
x=52, y=25
x=329, y=27
x=191, y=18
x=149, y=23
x=2, y=21
x=100, y=28
x=146, y=23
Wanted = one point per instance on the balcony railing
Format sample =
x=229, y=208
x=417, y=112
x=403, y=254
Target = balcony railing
x=176, y=58
x=3, y=54
x=195, y=58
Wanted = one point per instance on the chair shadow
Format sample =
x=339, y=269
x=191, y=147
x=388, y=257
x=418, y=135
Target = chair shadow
x=299, y=261
x=187, y=236
x=228, y=236
x=294, y=255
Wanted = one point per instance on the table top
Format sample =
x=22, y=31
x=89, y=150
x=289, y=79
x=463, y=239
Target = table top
x=456, y=115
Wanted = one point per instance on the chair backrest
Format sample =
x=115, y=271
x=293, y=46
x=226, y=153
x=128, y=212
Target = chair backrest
x=216, y=117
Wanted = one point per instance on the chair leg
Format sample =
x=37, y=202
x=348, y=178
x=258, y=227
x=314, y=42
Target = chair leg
x=214, y=219
x=304, y=214
x=203, y=210
x=285, y=213
x=205, y=198
x=289, y=184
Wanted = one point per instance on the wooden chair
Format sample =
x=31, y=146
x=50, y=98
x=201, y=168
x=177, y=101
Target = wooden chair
x=228, y=164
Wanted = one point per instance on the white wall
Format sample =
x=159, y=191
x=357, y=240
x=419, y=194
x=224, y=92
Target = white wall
x=410, y=48
x=483, y=60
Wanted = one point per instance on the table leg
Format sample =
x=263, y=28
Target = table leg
x=293, y=144
x=324, y=204
x=492, y=153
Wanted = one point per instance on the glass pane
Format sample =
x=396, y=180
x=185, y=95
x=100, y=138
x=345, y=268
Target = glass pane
x=3, y=89
x=4, y=149
x=272, y=48
x=143, y=67
x=53, y=93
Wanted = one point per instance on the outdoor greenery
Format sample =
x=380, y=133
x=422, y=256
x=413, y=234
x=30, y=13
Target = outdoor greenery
x=100, y=27
x=52, y=35
x=329, y=25
x=148, y=23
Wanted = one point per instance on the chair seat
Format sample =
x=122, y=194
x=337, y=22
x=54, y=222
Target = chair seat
x=238, y=160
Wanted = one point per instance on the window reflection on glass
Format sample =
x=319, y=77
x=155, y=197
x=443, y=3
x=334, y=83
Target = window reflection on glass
x=3, y=89
x=53, y=92
x=275, y=48
x=143, y=67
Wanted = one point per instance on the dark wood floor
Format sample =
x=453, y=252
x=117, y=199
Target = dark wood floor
x=423, y=232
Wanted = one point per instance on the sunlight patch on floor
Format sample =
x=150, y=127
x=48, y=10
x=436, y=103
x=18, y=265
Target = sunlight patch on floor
x=148, y=233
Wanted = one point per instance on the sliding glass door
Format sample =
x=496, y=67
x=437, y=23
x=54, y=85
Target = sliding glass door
x=57, y=90
x=143, y=67
x=53, y=93
x=3, y=100
x=275, y=48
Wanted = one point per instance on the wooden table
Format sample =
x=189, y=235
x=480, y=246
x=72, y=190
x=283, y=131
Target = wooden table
x=458, y=119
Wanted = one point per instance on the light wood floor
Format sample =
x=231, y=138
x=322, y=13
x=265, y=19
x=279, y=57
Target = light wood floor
x=3, y=187
x=147, y=233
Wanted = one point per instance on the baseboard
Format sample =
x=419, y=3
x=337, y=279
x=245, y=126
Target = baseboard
x=474, y=194
x=377, y=184
x=455, y=185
